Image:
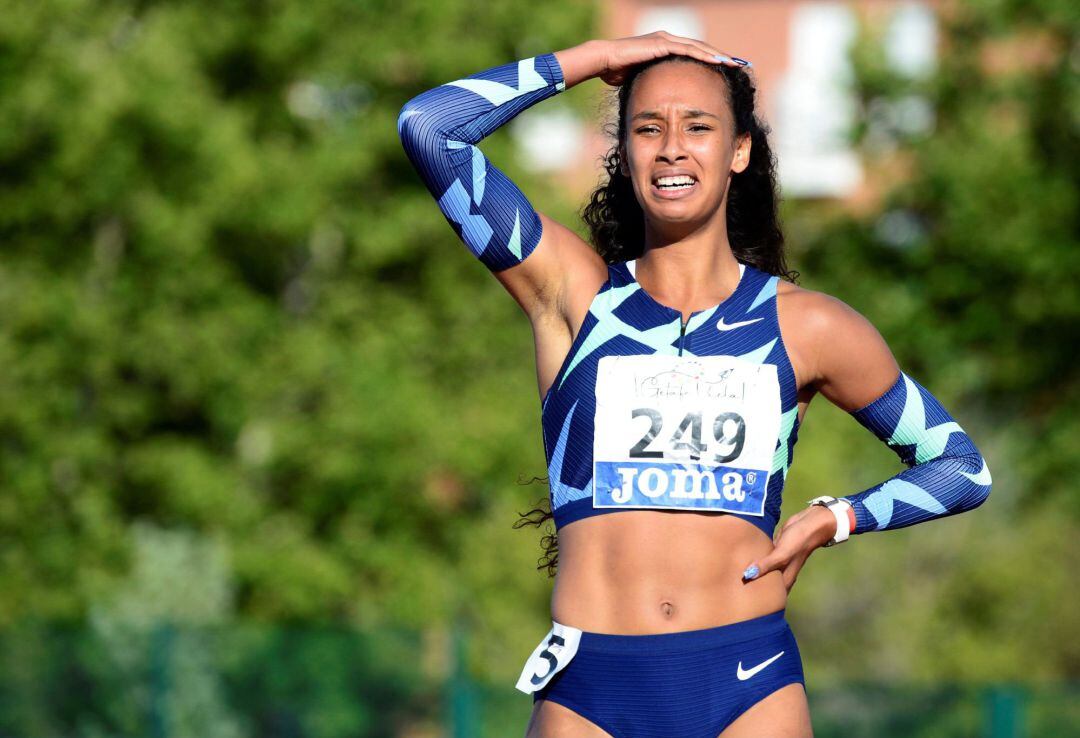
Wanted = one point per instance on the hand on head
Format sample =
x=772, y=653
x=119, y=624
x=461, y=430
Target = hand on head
x=623, y=53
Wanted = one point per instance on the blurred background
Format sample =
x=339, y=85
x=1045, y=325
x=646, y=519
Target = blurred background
x=266, y=425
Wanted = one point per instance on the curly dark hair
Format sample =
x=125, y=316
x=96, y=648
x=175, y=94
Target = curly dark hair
x=617, y=222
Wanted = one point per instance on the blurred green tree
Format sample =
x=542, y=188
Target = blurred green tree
x=230, y=306
x=967, y=262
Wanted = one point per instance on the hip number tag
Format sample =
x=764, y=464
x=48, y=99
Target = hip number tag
x=550, y=656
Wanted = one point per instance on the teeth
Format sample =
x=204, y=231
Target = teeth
x=674, y=181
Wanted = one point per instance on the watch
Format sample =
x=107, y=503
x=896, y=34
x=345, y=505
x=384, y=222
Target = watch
x=839, y=509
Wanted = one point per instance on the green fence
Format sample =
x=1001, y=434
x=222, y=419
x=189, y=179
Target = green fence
x=238, y=681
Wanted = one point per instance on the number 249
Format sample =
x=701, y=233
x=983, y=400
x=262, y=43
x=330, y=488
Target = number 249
x=728, y=429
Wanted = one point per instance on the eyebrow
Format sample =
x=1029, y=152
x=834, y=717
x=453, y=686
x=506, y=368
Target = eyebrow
x=655, y=115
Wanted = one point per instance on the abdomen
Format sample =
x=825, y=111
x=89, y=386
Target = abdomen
x=646, y=571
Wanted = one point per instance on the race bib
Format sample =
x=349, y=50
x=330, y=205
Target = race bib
x=684, y=432
x=551, y=656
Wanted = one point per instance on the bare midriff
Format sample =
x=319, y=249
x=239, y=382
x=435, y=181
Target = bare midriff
x=648, y=571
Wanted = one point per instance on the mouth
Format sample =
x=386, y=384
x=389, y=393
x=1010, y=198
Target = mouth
x=674, y=188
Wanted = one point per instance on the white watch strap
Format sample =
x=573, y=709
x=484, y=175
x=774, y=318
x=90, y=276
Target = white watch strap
x=839, y=509
x=843, y=523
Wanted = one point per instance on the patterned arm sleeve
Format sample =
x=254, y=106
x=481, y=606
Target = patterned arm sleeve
x=946, y=474
x=439, y=129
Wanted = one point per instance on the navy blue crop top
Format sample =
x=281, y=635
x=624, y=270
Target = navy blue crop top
x=623, y=320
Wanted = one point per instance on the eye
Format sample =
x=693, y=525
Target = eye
x=696, y=126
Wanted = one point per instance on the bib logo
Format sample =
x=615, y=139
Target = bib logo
x=677, y=486
x=654, y=482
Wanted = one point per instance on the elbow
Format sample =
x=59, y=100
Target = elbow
x=423, y=135
x=407, y=122
x=980, y=482
x=979, y=496
x=415, y=123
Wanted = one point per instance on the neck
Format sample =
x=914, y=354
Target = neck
x=688, y=267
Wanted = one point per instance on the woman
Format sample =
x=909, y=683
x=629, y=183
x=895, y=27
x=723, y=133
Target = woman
x=674, y=368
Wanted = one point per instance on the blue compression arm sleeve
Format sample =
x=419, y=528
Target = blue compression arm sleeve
x=946, y=474
x=439, y=129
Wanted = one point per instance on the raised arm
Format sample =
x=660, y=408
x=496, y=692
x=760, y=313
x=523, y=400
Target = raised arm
x=439, y=130
x=441, y=127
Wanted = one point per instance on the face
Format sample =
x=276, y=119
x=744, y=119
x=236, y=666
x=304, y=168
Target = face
x=679, y=122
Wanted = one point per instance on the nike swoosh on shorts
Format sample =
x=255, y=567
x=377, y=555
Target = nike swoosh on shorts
x=721, y=325
x=746, y=674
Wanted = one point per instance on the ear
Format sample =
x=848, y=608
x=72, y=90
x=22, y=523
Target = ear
x=741, y=160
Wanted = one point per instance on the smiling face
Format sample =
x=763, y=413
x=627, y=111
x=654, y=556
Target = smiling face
x=679, y=124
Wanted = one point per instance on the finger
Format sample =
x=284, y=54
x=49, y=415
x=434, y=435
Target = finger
x=797, y=517
x=687, y=41
x=713, y=54
x=782, y=553
x=703, y=45
x=729, y=61
x=791, y=571
x=775, y=559
x=691, y=50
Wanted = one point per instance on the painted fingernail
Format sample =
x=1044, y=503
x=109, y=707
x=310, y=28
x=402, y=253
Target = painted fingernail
x=721, y=57
x=751, y=572
x=737, y=60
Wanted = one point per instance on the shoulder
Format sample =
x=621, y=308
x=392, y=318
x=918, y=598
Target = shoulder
x=820, y=314
x=843, y=355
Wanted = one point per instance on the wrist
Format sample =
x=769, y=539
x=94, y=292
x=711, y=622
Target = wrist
x=582, y=62
x=824, y=525
x=840, y=525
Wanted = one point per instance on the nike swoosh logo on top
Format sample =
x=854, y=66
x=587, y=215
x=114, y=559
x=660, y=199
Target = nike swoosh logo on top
x=732, y=326
x=746, y=674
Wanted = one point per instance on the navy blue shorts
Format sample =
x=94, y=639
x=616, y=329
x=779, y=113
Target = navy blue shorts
x=690, y=684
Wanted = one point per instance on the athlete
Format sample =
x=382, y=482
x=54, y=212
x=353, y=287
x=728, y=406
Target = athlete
x=675, y=360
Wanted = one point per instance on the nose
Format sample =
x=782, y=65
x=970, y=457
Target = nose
x=672, y=146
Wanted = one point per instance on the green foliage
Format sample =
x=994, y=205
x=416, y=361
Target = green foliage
x=214, y=680
x=968, y=269
x=230, y=306
x=232, y=311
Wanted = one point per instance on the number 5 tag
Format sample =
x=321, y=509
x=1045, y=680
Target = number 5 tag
x=552, y=655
